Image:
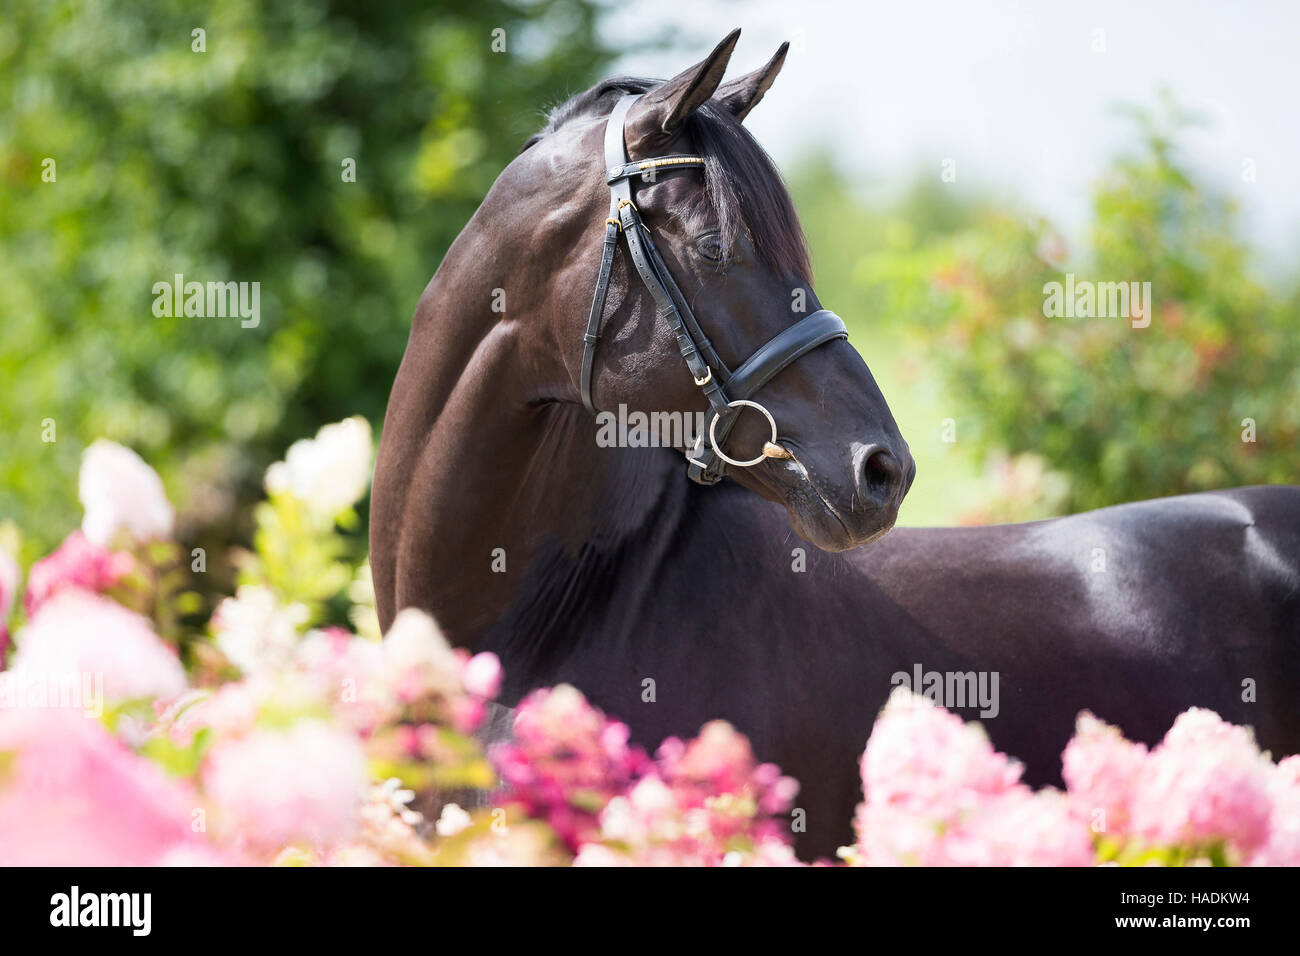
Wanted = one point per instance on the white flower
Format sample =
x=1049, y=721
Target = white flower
x=452, y=820
x=254, y=632
x=121, y=492
x=415, y=648
x=277, y=478
x=394, y=796
x=327, y=473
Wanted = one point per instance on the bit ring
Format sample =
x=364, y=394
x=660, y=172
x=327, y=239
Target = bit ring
x=713, y=433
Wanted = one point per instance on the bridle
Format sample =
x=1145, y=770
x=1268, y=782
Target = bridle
x=727, y=391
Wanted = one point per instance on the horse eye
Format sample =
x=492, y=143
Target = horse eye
x=712, y=248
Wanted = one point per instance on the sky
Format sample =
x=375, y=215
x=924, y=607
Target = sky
x=1020, y=96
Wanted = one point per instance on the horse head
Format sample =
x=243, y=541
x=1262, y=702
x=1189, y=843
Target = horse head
x=725, y=232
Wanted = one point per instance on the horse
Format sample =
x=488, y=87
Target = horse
x=779, y=598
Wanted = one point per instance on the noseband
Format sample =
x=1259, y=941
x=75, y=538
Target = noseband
x=727, y=391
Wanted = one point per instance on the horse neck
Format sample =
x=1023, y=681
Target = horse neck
x=492, y=509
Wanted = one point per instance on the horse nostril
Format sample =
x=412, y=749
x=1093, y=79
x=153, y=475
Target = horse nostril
x=882, y=477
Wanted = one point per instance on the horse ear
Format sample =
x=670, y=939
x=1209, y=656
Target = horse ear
x=741, y=95
x=658, y=116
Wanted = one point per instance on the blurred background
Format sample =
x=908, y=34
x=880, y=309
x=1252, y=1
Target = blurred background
x=947, y=160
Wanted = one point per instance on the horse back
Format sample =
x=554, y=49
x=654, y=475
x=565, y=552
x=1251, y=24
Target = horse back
x=1136, y=612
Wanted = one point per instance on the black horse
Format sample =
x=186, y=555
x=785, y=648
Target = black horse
x=669, y=603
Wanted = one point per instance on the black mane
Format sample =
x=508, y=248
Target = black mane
x=744, y=189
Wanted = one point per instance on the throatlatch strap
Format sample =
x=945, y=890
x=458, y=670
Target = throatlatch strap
x=592, y=335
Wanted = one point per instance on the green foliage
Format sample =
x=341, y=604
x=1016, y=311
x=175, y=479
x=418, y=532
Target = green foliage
x=301, y=561
x=178, y=759
x=460, y=763
x=158, y=586
x=1126, y=413
x=227, y=165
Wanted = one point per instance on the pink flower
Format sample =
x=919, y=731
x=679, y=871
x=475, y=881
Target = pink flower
x=1022, y=828
x=702, y=803
x=925, y=760
x=1283, y=847
x=466, y=713
x=1200, y=727
x=667, y=820
x=77, y=563
x=277, y=787
x=1101, y=770
x=73, y=795
x=199, y=855
x=79, y=633
x=719, y=759
x=566, y=761
x=650, y=827
x=770, y=852
x=714, y=777
x=777, y=792
x=482, y=675
x=1206, y=783
x=600, y=855
x=230, y=710
x=893, y=836
x=339, y=655
x=236, y=709
x=938, y=794
x=120, y=492
x=350, y=670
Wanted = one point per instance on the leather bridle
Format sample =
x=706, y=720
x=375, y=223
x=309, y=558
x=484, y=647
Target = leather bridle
x=727, y=391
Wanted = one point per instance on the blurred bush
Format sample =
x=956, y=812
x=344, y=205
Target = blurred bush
x=227, y=165
x=1099, y=411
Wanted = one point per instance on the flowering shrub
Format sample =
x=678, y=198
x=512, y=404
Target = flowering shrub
x=268, y=736
x=698, y=803
x=1063, y=389
x=937, y=793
